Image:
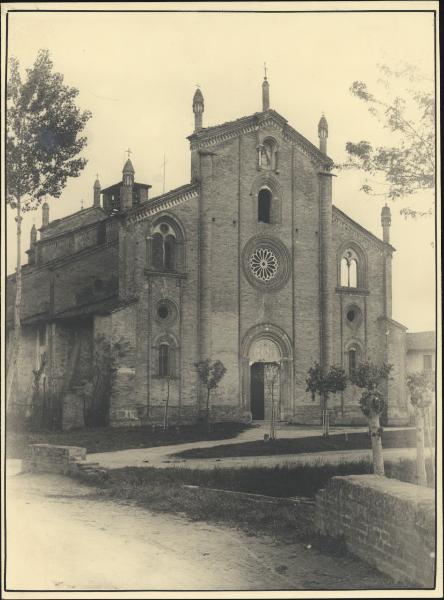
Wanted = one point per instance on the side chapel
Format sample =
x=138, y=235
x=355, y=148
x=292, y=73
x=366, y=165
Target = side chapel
x=249, y=263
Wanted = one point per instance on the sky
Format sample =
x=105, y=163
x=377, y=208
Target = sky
x=137, y=73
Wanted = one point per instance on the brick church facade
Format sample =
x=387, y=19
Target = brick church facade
x=249, y=263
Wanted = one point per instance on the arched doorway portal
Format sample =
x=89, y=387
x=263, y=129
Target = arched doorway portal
x=265, y=360
x=267, y=374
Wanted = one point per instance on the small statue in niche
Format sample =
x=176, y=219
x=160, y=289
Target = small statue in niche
x=267, y=152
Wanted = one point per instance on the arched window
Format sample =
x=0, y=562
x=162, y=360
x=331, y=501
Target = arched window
x=163, y=248
x=349, y=269
x=157, y=251
x=169, y=248
x=352, y=362
x=164, y=360
x=353, y=358
x=264, y=206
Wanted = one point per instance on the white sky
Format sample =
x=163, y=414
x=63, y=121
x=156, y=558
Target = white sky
x=137, y=74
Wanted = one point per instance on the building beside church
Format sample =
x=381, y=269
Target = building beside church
x=249, y=263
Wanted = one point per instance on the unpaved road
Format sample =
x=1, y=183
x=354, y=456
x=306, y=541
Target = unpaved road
x=62, y=536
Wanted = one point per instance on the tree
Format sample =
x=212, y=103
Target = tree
x=420, y=388
x=43, y=142
x=271, y=376
x=167, y=403
x=369, y=376
x=210, y=374
x=324, y=383
x=408, y=164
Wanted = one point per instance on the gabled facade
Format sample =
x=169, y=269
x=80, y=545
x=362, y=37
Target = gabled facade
x=249, y=263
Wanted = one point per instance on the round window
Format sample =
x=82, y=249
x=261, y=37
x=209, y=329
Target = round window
x=166, y=312
x=163, y=311
x=264, y=264
x=353, y=316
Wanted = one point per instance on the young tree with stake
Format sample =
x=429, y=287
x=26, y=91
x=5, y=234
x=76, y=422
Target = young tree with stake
x=43, y=143
x=325, y=383
x=210, y=374
x=369, y=377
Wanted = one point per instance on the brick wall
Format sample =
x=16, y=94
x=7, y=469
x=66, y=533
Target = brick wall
x=52, y=459
x=388, y=523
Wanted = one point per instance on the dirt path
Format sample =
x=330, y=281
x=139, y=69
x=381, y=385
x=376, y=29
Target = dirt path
x=61, y=536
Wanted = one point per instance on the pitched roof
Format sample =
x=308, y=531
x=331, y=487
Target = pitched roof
x=85, y=216
x=421, y=340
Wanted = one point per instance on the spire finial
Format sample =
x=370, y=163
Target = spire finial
x=129, y=152
x=265, y=91
x=198, y=108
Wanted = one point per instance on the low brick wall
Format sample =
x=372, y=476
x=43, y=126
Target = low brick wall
x=388, y=523
x=46, y=458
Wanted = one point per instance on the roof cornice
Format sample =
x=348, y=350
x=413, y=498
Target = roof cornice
x=209, y=136
x=341, y=216
x=165, y=202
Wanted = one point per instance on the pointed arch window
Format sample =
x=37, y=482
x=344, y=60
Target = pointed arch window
x=164, y=248
x=169, y=252
x=349, y=269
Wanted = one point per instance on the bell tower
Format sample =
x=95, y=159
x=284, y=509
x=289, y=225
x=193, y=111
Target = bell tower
x=126, y=191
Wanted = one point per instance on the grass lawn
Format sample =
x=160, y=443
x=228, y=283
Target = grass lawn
x=205, y=495
x=107, y=439
x=401, y=438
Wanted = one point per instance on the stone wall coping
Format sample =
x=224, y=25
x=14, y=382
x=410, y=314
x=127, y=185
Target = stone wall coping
x=390, y=487
x=60, y=447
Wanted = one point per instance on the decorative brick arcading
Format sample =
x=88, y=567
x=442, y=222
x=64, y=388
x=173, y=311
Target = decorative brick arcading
x=164, y=202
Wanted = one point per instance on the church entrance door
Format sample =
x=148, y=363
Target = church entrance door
x=257, y=391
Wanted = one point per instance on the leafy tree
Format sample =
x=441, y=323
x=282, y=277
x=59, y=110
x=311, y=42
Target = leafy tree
x=369, y=377
x=43, y=142
x=324, y=383
x=210, y=374
x=421, y=393
x=407, y=165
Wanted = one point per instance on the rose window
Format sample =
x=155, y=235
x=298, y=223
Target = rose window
x=264, y=264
